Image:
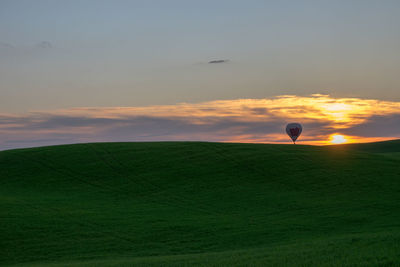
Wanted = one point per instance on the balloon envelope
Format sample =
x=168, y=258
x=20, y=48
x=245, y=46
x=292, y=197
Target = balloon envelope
x=294, y=130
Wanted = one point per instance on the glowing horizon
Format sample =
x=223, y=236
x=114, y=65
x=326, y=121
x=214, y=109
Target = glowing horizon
x=241, y=120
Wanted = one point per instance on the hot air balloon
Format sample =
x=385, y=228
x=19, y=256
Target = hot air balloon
x=294, y=131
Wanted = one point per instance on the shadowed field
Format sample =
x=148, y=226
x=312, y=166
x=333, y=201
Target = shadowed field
x=192, y=203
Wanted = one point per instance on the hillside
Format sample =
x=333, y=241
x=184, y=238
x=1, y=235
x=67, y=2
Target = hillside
x=193, y=203
x=392, y=146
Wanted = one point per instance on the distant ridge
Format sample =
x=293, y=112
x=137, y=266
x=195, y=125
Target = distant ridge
x=377, y=147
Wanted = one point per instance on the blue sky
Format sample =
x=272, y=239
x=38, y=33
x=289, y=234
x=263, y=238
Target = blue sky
x=123, y=53
x=58, y=55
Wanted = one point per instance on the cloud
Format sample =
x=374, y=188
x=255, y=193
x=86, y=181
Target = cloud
x=40, y=45
x=218, y=61
x=6, y=45
x=44, y=45
x=380, y=125
x=241, y=120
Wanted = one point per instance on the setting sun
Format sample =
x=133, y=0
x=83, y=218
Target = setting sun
x=338, y=139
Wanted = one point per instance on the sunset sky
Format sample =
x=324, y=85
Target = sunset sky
x=95, y=71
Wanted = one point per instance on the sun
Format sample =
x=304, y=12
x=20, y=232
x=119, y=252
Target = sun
x=338, y=139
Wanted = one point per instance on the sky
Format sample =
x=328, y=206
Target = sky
x=65, y=66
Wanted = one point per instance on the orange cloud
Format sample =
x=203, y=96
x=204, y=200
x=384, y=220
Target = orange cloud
x=241, y=120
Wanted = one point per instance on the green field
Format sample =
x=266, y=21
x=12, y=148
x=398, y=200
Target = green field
x=193, y=203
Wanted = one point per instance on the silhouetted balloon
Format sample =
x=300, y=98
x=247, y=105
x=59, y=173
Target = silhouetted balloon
x=294, y=130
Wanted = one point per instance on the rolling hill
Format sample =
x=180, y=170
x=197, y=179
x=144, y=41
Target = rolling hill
x=194, y=203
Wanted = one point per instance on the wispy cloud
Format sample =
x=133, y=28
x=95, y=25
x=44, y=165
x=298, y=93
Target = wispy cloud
x=241, y=120
x=6, y=45
x=218, y=61
x=44, y=45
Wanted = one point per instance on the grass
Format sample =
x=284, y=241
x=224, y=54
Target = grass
x=193, y=203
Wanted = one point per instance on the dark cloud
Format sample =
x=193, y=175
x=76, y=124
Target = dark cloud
x=385, y=126
x=52, y=122
x=47, y=129
x=218, y=61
